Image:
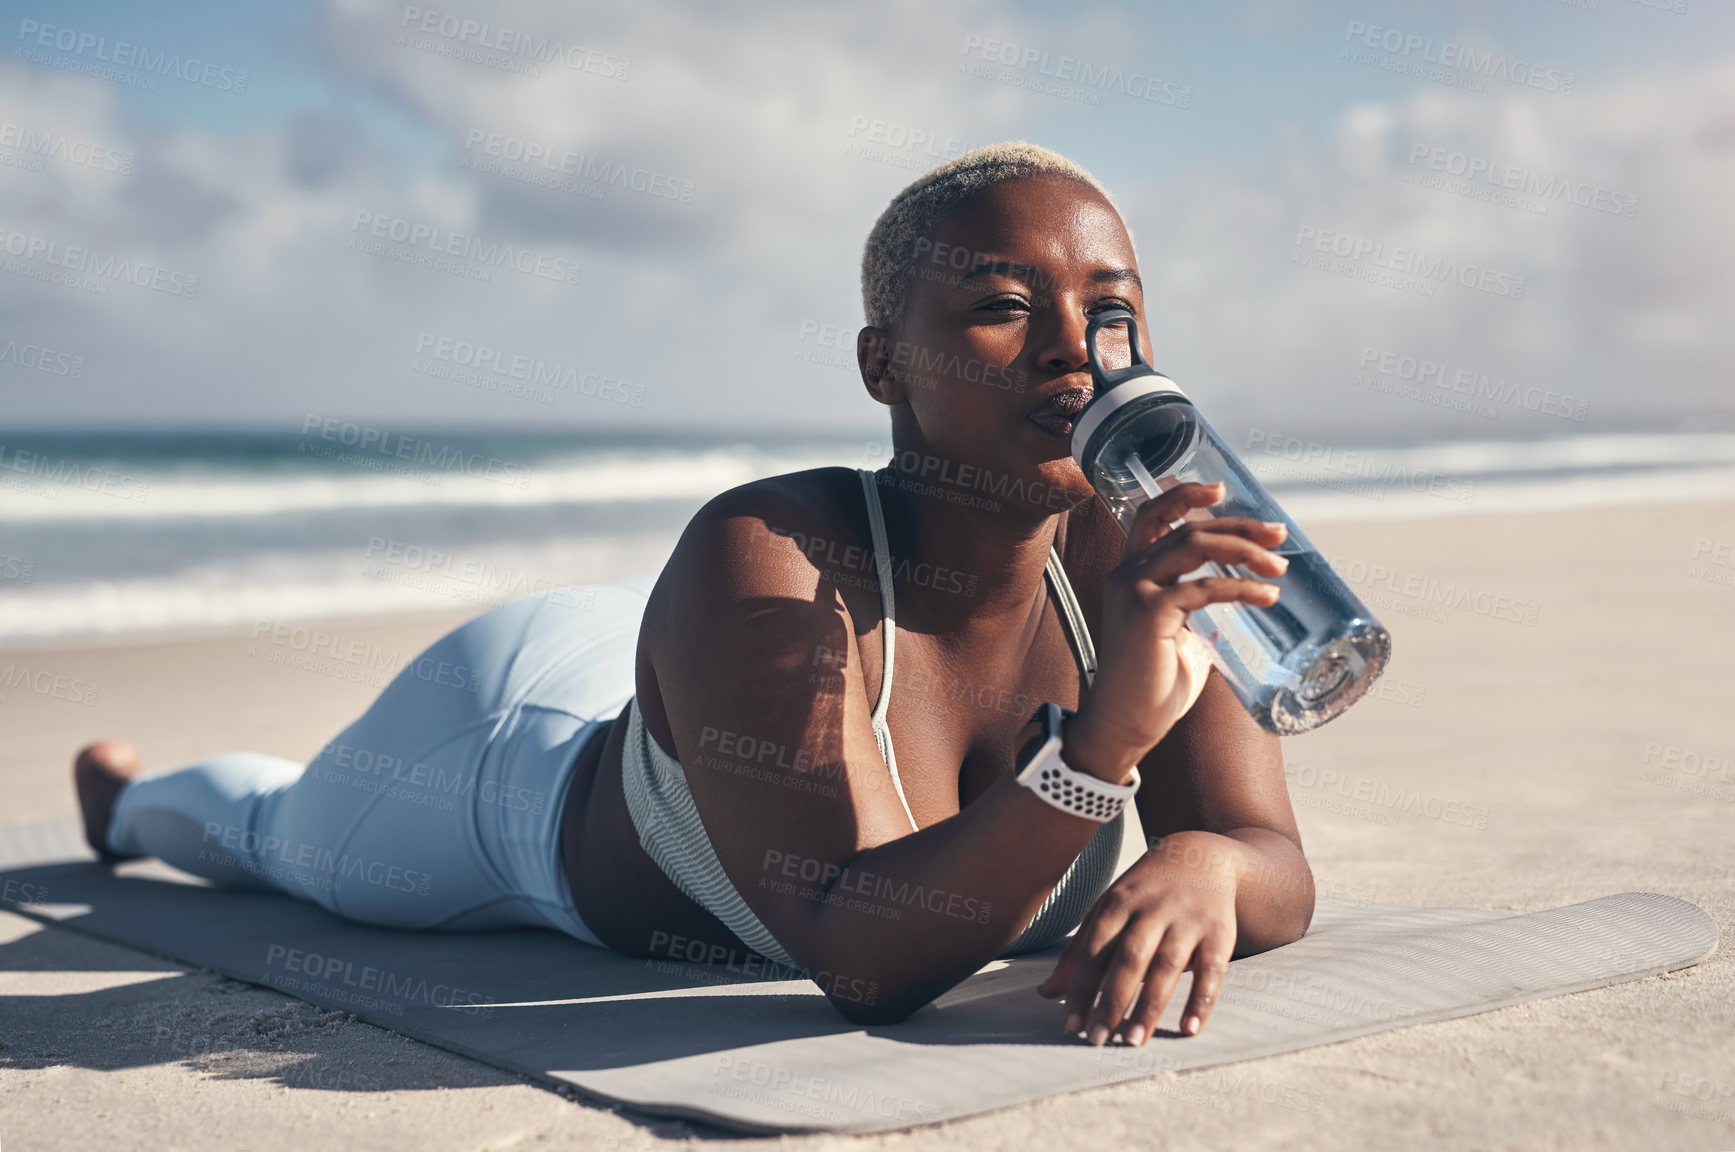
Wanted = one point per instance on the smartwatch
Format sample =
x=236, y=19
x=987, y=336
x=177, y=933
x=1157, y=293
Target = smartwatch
x=1065, y=787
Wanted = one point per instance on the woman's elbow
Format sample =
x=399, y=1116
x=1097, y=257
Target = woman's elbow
x=1283, y=925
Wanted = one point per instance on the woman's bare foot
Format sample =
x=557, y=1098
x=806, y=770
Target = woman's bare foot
x=100, y=772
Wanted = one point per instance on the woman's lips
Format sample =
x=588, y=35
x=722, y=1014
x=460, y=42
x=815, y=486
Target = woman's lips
x=1056, y=414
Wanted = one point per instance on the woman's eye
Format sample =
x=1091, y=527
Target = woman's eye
x=1008, y=304
x=1105, y=305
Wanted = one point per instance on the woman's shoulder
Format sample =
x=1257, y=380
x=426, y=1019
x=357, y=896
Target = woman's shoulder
x=815, y=497
x=758, y=538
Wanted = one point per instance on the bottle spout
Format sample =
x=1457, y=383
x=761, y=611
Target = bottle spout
x=1106, y=378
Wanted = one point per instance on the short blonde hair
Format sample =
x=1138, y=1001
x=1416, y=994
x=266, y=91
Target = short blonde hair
x=889, y=257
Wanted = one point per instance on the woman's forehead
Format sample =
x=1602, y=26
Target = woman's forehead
x=1037, y=220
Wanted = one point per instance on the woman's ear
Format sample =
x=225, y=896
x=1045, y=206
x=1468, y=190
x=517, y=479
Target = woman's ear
x=873, y=352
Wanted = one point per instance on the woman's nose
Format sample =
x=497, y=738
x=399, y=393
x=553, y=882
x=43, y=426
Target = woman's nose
x=1063, y=348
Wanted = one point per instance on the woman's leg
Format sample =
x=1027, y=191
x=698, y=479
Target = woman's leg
x=378, y=827
x=439, y=807
x=215, y=818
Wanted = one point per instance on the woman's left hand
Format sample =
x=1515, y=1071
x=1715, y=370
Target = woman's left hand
x=1172, y=912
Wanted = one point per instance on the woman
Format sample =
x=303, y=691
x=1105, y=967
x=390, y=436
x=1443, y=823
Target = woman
x=829, y=690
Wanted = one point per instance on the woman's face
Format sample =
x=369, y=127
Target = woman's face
x=990, y=356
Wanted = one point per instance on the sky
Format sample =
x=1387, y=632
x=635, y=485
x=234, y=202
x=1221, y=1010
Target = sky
x=1407, y=220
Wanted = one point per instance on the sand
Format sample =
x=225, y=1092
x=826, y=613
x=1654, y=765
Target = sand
x=1564, y=732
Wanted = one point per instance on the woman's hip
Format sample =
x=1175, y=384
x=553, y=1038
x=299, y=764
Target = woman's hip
x=570, y=649
x=447, y=793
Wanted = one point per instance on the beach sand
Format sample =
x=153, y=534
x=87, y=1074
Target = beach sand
x=1540, y=748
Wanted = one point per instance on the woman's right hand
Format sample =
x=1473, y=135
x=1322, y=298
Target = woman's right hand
x=1144, y=683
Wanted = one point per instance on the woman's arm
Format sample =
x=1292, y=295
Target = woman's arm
x=1227, y=877
x=1218, y=774
x=757, y=665
x=759, y=673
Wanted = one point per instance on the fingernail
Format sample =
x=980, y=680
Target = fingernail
x=1074, y=1023
x=1136, y=1035
x=1283, y=564
x=1098, y=1033
x=1274, y=524
x=1191, y=1026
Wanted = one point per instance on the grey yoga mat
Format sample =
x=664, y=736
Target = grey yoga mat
x=768, y=1055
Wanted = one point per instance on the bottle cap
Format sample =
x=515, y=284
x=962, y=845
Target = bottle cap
x=1117, y=387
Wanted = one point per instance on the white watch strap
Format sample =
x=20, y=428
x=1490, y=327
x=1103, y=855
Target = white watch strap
x=1068, y=789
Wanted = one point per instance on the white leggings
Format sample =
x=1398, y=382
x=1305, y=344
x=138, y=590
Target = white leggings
x=440, y=808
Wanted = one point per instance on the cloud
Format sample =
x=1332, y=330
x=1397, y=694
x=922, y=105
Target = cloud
x=1611, y=206
x=790, y=126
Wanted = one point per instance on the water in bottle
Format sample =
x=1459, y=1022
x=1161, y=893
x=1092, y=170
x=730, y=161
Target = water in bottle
x=1295, y=664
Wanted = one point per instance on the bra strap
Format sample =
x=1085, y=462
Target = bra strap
x=888, y=624
x=1073, y=615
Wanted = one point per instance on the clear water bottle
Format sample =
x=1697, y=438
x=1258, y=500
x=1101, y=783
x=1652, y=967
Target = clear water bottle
x=1295, y=664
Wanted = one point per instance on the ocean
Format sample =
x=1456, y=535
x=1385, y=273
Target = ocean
x=124, y=538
